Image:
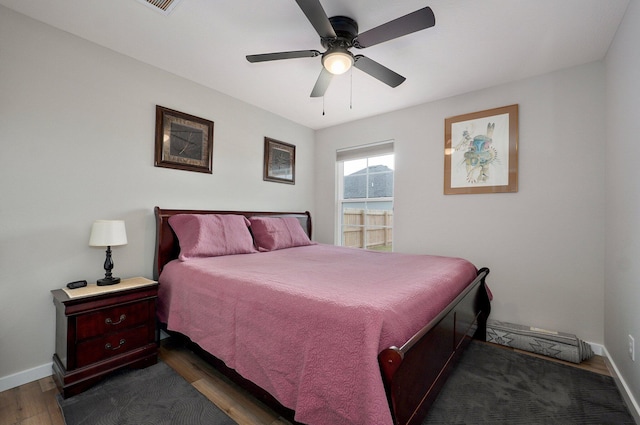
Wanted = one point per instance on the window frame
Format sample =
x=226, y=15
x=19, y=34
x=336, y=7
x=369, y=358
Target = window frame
x=369, y=152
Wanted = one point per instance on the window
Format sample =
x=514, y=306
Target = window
x=365, y=197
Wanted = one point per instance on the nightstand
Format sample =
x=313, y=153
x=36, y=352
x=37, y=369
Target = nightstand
x=100, y=329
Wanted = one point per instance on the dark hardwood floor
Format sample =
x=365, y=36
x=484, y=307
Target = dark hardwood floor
x=35, y=403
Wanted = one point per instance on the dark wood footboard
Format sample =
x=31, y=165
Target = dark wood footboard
x=416, y=372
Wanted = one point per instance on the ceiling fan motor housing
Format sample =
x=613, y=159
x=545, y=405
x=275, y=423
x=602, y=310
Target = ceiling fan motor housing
x=346, y=30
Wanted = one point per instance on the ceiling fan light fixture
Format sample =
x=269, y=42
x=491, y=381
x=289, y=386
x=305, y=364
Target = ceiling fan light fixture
x=337, y=61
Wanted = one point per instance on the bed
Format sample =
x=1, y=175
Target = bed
x=286, y=322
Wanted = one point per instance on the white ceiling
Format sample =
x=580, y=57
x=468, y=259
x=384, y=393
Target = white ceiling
x=475, y=44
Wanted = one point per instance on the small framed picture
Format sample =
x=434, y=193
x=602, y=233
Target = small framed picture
x=279, y=161
x=481, y=152
x=183, y=141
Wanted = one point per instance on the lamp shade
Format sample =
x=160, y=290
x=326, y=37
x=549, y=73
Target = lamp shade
x=337, y=61
x=108, y=233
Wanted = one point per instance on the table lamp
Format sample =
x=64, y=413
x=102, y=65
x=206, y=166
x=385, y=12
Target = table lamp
x=108, y=233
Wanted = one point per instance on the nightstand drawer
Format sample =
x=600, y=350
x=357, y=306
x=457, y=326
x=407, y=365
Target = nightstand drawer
x=97, y=349
x=112, y=320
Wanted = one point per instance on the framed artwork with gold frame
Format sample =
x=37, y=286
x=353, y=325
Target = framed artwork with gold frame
x=183, y=141
x=481, y=152
x=279, y=161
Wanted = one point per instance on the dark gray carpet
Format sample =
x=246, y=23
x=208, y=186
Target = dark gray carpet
x=155, y=395
x=492, y=385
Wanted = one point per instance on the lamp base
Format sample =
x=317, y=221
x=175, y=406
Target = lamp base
x=108, y=281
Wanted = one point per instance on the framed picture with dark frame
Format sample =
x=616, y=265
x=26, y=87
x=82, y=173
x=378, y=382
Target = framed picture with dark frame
x=279, y=161
x=481, y=152
x=183, y=141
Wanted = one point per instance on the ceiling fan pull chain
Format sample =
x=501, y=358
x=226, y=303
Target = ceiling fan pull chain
x=323, y=106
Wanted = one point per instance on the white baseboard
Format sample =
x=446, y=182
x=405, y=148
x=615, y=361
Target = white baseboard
x=631, y=402
x=597, y=349
x=26, y=376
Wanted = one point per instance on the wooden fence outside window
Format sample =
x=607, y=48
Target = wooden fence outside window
x=377, y=224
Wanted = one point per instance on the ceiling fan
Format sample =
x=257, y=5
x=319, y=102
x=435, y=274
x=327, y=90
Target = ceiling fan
x=338, y=34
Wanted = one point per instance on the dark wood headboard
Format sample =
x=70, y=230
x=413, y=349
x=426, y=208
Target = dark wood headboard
x=168, y=248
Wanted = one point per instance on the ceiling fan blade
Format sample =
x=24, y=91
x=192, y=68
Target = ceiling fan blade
x=415, y=21
x=283, y=55
x=378, y=71
x=318, y=17
x=322, y=84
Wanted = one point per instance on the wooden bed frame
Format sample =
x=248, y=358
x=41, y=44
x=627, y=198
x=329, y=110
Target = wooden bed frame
x=414, y=373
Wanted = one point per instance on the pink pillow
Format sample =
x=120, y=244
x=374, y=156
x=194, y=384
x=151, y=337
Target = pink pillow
x=211, y=235
x=271, y=233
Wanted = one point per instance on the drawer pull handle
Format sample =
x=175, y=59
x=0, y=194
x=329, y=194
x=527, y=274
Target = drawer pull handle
x=108, y=345
x=108, y=320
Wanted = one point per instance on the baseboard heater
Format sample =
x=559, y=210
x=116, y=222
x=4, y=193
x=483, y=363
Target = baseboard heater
x=554, y=344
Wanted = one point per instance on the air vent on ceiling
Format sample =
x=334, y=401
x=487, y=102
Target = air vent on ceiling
x=163, y=6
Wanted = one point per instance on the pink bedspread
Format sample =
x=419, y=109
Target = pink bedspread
x=307, y=323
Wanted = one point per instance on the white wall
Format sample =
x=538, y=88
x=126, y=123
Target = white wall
x=77, y=126
x=545, y=243
x=622, y=267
